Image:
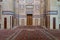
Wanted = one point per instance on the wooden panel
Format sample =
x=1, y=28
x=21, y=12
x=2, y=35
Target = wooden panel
x=29, y=19
x=5, y=23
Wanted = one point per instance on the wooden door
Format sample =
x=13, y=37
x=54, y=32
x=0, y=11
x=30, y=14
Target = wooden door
x=29, y=19
x=12, y=21
x=5, y=23
x=54, y=23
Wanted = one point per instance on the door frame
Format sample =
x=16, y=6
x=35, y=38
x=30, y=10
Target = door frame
x=5, y=23
x=31, y=19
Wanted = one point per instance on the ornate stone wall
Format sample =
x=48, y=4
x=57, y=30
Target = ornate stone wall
x=40, y=7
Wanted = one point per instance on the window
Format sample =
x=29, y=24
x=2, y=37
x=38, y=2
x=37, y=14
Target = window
x=0, y=0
